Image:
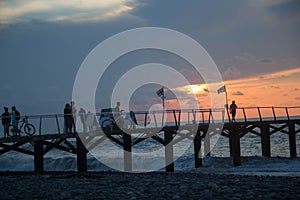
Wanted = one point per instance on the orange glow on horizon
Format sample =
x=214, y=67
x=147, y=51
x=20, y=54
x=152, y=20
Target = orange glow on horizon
x=274, y=89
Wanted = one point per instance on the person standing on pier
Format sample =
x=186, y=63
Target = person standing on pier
x=68, y=118
x=73, y=109
x=6, y=119
x=15, y=120
x=233, y=108
x=82, y=115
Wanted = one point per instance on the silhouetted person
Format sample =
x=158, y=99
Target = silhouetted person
x=6, y=119
x=73, y=109
x=117, y=108
x=90, y=120
x=82, y=115
x=233, y=108
x=68, y=118
x=117, y=111
x=15, y=120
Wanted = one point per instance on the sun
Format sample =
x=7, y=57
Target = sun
x=196, y=89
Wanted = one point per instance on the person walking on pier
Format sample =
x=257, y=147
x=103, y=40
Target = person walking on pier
x=68, y=118
x=6, y=119
x=233, y=108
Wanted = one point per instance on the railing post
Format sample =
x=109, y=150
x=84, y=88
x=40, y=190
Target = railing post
x=228, y=115
x=274, y=115
x=287, y=113
x=57, y=124
x=174, y=114
x=40, y=126
x=145, y=120
x=179, y=117
x=260, y=119
x=155, y=121
x=244, y=113
x=194, y=116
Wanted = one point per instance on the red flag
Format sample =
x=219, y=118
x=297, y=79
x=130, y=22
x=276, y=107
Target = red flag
x=160, y=92
x=221, y=89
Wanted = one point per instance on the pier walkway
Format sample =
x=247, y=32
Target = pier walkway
x=198, y=125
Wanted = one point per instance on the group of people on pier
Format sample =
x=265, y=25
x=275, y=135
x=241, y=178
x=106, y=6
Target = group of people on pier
x=88, y=120
x=10, y=118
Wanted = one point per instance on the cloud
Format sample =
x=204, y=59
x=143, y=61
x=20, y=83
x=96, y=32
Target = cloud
x=274, y=87
x=297, y=98
x=286, y=8
x=238, y=93
x=265, y=60
x=57, y=10
x=231, y=73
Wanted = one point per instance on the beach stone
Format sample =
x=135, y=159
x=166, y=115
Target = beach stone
x=176, y=197
x=150, y=190
x=212, y=185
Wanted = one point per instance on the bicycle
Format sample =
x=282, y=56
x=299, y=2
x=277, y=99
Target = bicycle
x=120, y=123
x=25, y=127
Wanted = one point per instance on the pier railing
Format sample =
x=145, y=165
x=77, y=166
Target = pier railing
x=54, y=123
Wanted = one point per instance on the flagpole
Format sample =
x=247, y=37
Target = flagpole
x=226, y=98
x=163, y=115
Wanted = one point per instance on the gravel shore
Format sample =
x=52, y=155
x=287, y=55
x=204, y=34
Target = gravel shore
x=155, y=185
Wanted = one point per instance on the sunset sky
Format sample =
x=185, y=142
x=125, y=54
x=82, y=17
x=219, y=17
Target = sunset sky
x=255, y=45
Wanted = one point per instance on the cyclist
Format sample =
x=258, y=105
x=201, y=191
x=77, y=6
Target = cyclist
x=6, y=119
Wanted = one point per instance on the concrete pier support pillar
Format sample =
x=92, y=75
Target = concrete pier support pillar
x=38, y=157
x=168, y=135
x=235, y=144
x=292, y=140
x=197, y=150
x=265, y=140
x=81, y=156
x=127, y=152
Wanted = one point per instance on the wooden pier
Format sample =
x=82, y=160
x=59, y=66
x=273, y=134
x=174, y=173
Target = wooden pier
x=196, y=124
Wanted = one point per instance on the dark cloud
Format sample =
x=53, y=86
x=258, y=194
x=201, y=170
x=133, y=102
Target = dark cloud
x=238, y=93
x=296, y=89
x=297, y=98
x=265, y=60
x=181, y=14
x=231, y=73
x=286, y=9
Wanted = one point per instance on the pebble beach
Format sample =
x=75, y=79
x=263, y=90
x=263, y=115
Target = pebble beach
x=154, y=185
